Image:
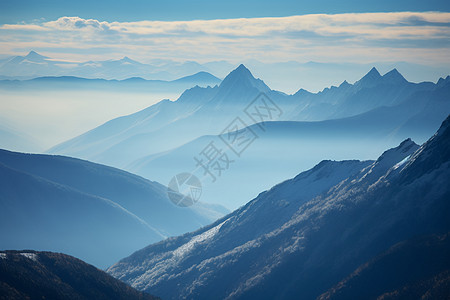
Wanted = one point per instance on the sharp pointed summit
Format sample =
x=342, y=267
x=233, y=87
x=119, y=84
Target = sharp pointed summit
x=241, y=72
x=241, y=77
x=374, y=72
x=443, y=81
x=370, y=79
x=34, y=56
x=344, y=84
x=394, y=77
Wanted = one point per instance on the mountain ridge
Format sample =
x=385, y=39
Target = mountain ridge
x=66, y=194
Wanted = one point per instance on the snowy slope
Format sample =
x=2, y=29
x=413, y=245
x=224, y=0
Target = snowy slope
x=320, y=242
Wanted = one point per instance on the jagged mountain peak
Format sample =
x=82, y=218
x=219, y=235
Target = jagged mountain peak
x=431, y=155
x=397, y=154
x=344, y=84
x=370, y=79
x=373, y=73
x=241, y=72
x=390, y=159
x=442, y=81
x=241, y=77
x=394, y=77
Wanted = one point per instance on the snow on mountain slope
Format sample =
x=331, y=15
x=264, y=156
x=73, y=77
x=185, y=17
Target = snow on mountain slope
x=266, y=213
x=320, y=243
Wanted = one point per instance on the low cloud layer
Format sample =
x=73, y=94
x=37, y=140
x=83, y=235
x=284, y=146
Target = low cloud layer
x=366, y=37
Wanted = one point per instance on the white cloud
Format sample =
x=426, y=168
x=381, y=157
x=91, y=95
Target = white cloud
x=335, y=37
x=75, y=24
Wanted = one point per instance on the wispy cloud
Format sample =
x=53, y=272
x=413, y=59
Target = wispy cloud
x=363, y=37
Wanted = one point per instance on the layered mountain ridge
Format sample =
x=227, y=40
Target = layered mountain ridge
x=352, y=121
x=91, y=211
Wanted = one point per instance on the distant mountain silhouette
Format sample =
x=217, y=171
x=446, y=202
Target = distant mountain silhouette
x=134, y=84
x=35, y=65
x=220, y=106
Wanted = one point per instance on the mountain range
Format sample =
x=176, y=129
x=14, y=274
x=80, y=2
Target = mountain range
x=94, y=212
x=46, y=275
x=357, y=120
x=342, y=230
x=285, y=76
x=133, y=84
x=35, y=65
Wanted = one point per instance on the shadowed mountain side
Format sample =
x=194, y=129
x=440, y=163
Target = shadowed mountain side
x=46, y=275
x=415, y=269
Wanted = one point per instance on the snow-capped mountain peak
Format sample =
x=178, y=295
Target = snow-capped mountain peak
x=389, y=159
x=431, y=155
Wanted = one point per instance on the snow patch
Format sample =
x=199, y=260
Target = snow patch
x=401, y=163
x=2, y=255
x=189, y=246
x=31, y=256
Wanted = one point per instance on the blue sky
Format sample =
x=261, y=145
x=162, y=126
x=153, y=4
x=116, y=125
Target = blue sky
x=14, y=11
